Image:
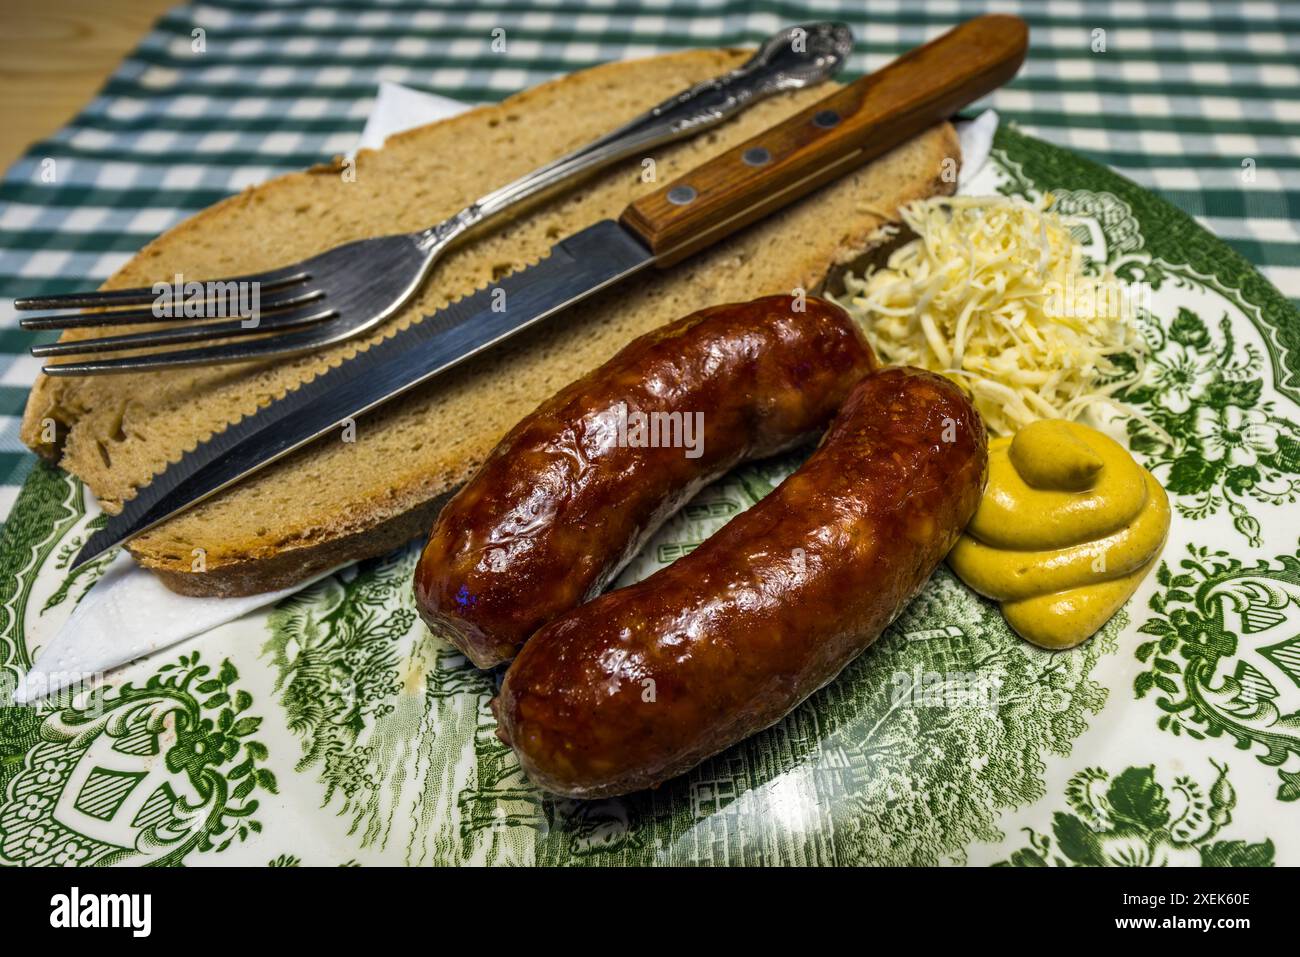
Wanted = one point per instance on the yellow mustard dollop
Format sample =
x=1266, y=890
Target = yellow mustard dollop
x=1068, y=527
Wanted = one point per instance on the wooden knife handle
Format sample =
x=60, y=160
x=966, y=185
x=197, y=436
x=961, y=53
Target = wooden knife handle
x=855, y=124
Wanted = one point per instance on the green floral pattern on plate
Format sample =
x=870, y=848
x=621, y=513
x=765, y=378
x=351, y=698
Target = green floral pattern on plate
x=1132, y=820
x=140, y=775
x=1224, y=656
x=1209, y=432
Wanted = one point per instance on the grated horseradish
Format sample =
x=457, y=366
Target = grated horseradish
x=994, y=293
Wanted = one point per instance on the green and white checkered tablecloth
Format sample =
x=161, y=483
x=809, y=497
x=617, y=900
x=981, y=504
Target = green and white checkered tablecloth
x=1185, y=97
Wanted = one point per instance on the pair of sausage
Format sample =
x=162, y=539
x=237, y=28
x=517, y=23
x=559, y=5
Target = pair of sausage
x=640, y=684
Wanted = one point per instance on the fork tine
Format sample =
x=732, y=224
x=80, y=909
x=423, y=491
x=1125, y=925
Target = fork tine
x=177, y=335
x=142, y=294
x=70, y=300
x=289, y=344
x=281, y=299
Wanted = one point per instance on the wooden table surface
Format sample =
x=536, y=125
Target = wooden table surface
x=54, y=57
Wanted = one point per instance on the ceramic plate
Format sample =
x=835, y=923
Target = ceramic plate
x=333, y=729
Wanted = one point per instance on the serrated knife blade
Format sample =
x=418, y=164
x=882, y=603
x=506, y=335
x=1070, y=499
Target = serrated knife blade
x=576, y=267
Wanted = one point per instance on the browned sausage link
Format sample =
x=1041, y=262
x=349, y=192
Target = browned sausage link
x=573, y=491
x=645, y=682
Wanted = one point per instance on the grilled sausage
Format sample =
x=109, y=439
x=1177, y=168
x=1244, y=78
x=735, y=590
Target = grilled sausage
x=645, y=682
x=573, y=491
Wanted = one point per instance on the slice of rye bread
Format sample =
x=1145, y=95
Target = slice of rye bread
x=337, y=501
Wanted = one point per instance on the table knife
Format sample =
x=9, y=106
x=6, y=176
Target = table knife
x=857, y=123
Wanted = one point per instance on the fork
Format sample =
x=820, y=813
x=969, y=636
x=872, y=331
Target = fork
x=354, y=287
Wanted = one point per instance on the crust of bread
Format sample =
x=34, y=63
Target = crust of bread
x=335, y=502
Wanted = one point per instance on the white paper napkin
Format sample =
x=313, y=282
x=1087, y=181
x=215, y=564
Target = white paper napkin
x=128, y=613
x=398, y=108
x=976, y=142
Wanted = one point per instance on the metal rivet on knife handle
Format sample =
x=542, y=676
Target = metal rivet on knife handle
x=757, y=156
x=681, y=195
x=852, y=126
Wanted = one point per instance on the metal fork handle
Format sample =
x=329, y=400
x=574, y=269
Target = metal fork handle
x=792, y=58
